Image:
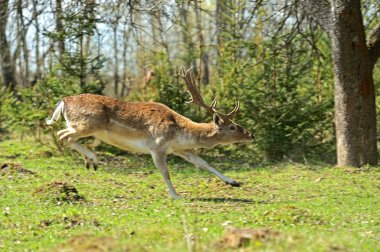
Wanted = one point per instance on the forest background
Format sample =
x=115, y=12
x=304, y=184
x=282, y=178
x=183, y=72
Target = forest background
x=272, y=56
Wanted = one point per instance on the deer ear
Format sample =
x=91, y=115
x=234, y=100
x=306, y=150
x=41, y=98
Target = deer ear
x=217, y=119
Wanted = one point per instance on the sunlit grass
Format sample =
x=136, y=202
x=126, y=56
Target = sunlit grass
x=126, y=206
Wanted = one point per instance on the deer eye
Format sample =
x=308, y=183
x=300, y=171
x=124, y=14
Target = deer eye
x=232, y=128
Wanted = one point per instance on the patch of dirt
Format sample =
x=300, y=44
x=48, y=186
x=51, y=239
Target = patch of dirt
x=10, y=168
x=72, y=222
x=237, y=237
x=60, y=192
x=45, y=223
x=87, y=243
x=69, y=222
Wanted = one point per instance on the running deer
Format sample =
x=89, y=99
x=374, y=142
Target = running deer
x=148, y=127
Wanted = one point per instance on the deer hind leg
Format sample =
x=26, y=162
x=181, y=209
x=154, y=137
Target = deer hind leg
x=89, y=156
x=73, y=133
x=199, y=162
x=62, y=134
x=70, y=135
x=159, y=159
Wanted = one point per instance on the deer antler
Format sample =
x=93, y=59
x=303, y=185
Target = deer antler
x=196, y=97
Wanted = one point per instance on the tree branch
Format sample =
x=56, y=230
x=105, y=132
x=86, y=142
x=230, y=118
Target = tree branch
x=373, y=44
x=319, y=10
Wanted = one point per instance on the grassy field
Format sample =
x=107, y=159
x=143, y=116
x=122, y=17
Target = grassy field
x=50, y=202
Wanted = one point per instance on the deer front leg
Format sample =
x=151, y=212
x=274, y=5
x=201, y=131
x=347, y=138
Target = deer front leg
x=199, y=162
x=159, y=159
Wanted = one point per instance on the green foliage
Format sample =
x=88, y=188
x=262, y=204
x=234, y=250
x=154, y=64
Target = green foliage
x=78, y=19
x=171, y=93
x=286, y=113
x=166, y=87
x=5, y=97
x=267, y=55
x=83, y=67
x=28, y=110
x=77, y=59
x=285, y=95
x=168, y=83
x=77, y=71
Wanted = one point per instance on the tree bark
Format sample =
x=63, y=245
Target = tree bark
x=59, y=27
x=368, y=91
x=116, y=57
x=125, y=86
x=6, y=61
x=223, y=26
x=354, y=92
x=22, y=28
x=187, y=37
x=203, y=69
x=38, y=72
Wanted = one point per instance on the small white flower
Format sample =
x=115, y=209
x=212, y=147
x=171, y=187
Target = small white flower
x=227, y=223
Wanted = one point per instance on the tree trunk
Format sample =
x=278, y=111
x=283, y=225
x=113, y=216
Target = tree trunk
x=22, y=28
x=355, y=110
x=187, y=37
x=6, y=61
x=203, y=71
x=37, y=75
x=125, y=86
x=82, y=64
x=223, y=26
x=355, y=114
x=59, y=28
x=116, y=57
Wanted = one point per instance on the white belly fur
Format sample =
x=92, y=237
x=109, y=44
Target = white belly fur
x=137, y=145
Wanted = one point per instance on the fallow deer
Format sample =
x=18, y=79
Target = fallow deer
x=148, y=127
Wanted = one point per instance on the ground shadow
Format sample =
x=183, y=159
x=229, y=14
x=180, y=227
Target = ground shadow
x=229, y=200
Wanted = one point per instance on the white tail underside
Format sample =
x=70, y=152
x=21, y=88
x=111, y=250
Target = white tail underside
x=56, y=114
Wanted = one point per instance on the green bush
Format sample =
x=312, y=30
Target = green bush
x=280, y=102
x=27, y=110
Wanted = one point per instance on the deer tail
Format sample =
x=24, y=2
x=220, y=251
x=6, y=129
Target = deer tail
x=57, y=113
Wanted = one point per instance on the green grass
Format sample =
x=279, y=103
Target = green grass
x=125, y=206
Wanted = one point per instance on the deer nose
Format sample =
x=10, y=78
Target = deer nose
x=251, y=136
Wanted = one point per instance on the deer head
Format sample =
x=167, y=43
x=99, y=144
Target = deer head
x=228, y=131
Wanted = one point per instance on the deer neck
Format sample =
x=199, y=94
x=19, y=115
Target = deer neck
x=201, y=135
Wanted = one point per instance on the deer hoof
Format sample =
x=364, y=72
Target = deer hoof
x=176, y=197
x=95, y=166
x=87, y=164
x=234, y=184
